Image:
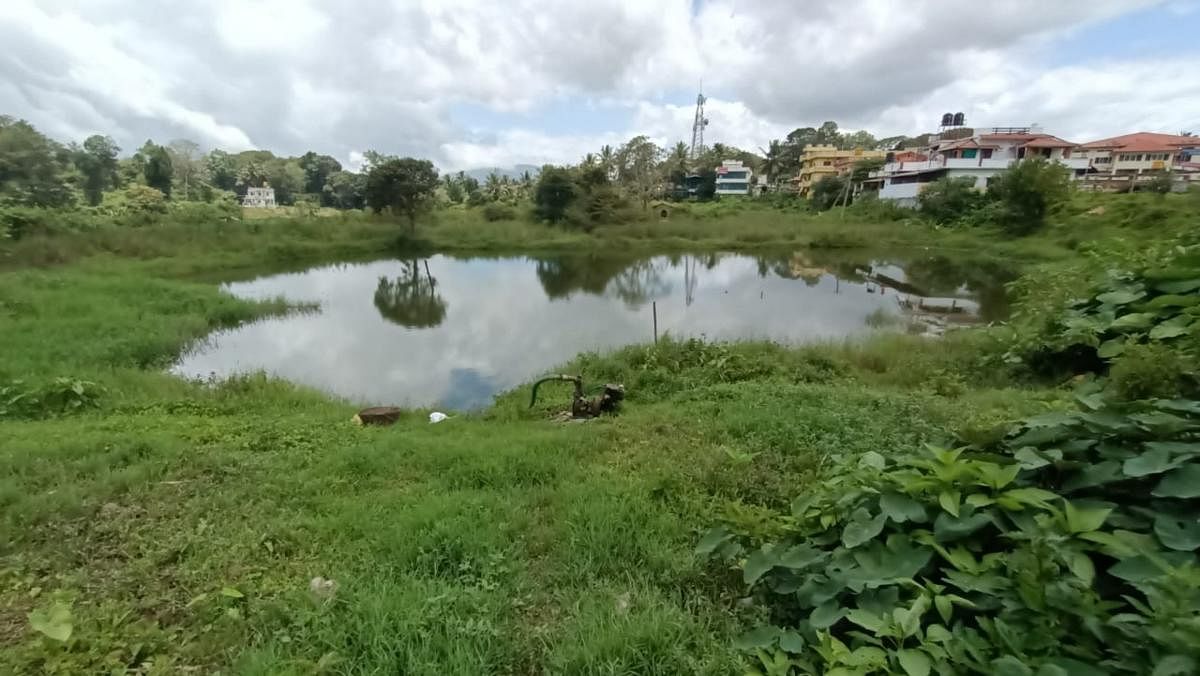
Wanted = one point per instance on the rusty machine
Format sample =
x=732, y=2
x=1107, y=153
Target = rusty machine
x=582, y=407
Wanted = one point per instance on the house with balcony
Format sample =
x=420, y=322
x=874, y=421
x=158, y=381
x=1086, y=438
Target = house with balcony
x=1121, y=161
x=262, y=198
x=980, y=157
x=733, y=178
x=820, y=161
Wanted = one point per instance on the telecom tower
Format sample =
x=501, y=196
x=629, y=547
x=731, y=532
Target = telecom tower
x=698, y=127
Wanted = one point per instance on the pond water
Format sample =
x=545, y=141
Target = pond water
x=452, y=332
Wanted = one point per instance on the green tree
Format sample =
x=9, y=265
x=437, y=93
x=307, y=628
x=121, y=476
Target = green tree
x=493, y=188
x=555, y=193
x=949, y=199
x=286, y=176
x=454, y=188
x=222, y=170
x=317, y=170
x=345, y=190
x=157, y=169
x=34, y=171
x=859, y=139
x=403, y=186
x=827, y=191
x=637, y=163
x=96, y=161
x=773, y=161
x=1027, y=192
x=186, y=164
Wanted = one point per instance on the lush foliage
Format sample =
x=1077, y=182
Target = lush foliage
x=405, y=186
x=1027, y=192
x=1068, y=547
x=947, y=200
x=555, y=192
x=1065, y=546
x=1158, y=303
x=34, y=170
x=829, y=192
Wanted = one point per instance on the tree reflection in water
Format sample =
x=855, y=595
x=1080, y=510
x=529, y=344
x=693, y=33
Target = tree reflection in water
x=636, y=281
x=411, y=299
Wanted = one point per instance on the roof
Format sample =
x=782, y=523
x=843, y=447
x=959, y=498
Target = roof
x=1143, y=141
x=1030, y=140
x=1048, y=141
x=962, y=143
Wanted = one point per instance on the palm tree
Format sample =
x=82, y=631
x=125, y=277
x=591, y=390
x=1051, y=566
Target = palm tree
x=492, y=187
x=588, y=160
x=772, y=160
x=607, y=158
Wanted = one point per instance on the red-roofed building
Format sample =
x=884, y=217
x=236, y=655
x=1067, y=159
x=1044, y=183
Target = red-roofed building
x=979, y=157
x=1138, y=153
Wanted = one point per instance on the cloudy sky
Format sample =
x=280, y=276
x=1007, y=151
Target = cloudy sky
x=485, y=83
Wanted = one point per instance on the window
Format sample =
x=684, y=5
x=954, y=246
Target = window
x=733, y=176
x=987, y=153
x=1101, y=160
x=827, y=163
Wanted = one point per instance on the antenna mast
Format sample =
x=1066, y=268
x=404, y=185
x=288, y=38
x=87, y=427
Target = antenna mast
x=698, y=126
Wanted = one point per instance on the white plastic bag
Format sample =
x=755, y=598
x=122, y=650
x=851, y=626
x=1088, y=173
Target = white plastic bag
x=437, y=417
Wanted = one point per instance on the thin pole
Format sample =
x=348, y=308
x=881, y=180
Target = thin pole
x=654, y=308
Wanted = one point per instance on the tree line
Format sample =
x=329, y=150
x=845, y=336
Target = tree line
x=37, y=171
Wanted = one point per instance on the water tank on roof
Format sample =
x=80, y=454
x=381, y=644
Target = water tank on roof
x=959, y=119
x=947, y=119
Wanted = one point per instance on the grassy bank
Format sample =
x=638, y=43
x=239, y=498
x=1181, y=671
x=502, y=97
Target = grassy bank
x=181, y=523
x=726, y=226
x=177, y=526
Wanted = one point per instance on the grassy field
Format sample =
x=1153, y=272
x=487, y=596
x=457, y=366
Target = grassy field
x=176, y=526
x=730, y=225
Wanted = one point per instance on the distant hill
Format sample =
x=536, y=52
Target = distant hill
x=515, y=171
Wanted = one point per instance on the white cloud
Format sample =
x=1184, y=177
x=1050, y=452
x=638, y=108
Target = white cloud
x=341, y=77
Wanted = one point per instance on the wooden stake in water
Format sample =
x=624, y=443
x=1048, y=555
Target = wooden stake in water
x=654, y=309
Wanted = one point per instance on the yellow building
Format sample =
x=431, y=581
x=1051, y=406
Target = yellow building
x=819, y=161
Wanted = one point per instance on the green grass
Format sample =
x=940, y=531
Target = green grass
x=182, y=521
x=498, y=542
x=290, y=240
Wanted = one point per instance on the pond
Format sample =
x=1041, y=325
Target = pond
x=452, y=332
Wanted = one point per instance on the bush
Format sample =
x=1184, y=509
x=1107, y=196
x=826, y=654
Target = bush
x=870, y=209
x=555, y=193
x=497, y=211
x=1066, y=547
x=827, y=192
x=947, y=200
x=1027, y=193
x=1152, y=371
x=60, y=396
x=224, y=208
x=1157, y=304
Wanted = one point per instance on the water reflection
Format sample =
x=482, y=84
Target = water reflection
x=411, y=298
x=394, y=332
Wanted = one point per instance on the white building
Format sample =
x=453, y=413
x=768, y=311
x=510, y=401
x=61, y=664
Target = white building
x=263, y=197
x=979, y=157
x=733, y=178
x=1122, y=160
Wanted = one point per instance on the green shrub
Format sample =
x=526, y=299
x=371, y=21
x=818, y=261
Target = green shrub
x=498, y=211
x=1027, y=193
x=222, y=209
x=60, y=396
x=1067, y=547
x=948, y=200
x=1151, y=371
x=1158, y=303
